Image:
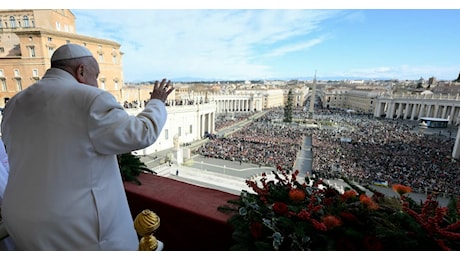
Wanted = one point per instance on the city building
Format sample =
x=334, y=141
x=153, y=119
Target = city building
x=333, y=97
x=416, y=106
x=185, y=124
x=28, y=38
x=362, y=101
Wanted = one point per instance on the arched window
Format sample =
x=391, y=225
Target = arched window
x=12, y=22
x=25, y=21
x=1, y=26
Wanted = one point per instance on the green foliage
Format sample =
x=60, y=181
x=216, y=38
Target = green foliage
x=454, y=213
x=131, y=167
x=288, y=108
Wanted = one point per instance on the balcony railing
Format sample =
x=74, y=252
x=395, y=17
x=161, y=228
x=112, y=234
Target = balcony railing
x=190, y=220
x=189, y=216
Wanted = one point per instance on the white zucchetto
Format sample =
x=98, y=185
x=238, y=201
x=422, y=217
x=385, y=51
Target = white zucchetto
x=70, y=51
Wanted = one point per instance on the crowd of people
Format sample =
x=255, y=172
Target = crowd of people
x=264, y=142
x=359, y=147
x=367, y=149
x=169, y=102
x=226, y=120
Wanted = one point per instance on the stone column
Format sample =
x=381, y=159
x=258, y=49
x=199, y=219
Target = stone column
x=391, y=110
x=407, y=110
x=436, y=111
x=428, y=113
x=420, y=113
x=400, y=109
x=378, y=109
x=414, y=111
x=456, y=150
x=444, y=111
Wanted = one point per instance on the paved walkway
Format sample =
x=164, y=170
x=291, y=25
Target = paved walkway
x=231, y=176
x=303, y=162
x=228, y=176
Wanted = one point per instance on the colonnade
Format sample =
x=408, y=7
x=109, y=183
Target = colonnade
x=206, y=123
x=415, y=107
x=185, y=124
x=237, y=103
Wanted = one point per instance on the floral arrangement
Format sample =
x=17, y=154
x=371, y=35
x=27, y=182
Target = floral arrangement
x=286, y=213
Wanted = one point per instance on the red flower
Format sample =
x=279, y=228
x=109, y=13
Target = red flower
x=401, y=189
x=349, y=194
x=280, y=208
x=256, y=229
x=331, y=222
x=318, y=225
x=366, y=200
x=297, y=195
x=304, y=214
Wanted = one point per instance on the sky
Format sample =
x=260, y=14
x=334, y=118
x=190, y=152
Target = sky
x=251, y=42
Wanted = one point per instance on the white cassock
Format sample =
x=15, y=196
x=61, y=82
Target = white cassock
x=5, y=244
x=4, y=169
x=65, y=190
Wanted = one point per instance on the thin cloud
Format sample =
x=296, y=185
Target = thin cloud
x=295, y=47
x=200, y=43
x=263, y=43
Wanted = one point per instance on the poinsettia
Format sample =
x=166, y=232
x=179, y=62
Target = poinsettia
x=286, y=212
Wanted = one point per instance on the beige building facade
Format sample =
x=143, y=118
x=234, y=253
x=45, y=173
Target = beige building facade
x=333, y=98
x=270, y=97
x=28, y=38
x=361, y=100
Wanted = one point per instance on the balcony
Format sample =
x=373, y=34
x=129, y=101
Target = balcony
x=190, y=219
x=189, y=216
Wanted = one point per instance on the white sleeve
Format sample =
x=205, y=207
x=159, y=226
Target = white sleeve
x=4, y=170
x=113, y=131
x=4, y=156
x=3, y=182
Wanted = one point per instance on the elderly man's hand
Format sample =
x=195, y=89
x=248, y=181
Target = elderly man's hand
x=161, y=90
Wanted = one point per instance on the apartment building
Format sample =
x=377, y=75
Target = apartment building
x=28, y=38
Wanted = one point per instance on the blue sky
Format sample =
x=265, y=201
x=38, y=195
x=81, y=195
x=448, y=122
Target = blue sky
x=242, y=43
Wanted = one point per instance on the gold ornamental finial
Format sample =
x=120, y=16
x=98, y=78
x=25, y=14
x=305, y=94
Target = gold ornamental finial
x=146, y=223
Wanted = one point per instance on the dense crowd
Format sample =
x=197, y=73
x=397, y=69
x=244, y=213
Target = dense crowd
x=360, y=147
x=369, y=149
x=169, y=102
x=225, y=120
x=264, y=142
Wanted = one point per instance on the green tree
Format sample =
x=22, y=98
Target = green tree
x=288, y=108
x=131, y=167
